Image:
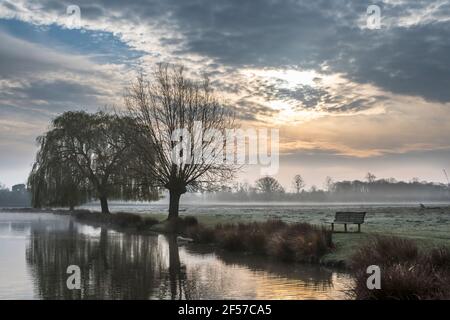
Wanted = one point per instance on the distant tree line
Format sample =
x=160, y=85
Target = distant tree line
x=18, y=196
x=389, y=190
x=369, y=190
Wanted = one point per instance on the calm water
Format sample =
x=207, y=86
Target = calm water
x=36, y=249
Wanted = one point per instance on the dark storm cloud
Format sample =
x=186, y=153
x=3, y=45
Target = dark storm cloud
x=413, y=61
x=259, y=33
x=410, y=59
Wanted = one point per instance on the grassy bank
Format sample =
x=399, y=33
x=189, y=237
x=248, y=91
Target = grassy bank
x=414, y=265
x=427, y=228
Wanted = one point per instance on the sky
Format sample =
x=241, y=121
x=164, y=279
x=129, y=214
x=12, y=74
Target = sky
x=347, y=98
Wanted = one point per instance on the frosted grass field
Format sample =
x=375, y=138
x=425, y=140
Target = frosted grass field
x=430, y=227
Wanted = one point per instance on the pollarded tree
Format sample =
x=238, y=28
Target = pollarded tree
x=167, y=105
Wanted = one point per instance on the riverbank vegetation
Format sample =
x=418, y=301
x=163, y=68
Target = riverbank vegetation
x=407, y=273
x=298, y=242
x=119, y=220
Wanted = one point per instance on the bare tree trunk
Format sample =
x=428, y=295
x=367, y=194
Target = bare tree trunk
x=174, y=204
x=104, y=204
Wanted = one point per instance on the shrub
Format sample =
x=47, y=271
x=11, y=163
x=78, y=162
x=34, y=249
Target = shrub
x=300, y=242
x=385, y=251
x=190, y=221
x=281, y=247
x=120, y=219
x=290, y=242
x=440, y=257
x=201, y=234
x=231, y=240
x=406, y=273
x=256, y=241
x=93, y=217
x=148, y=222
x=180, y=224
x=124, y=220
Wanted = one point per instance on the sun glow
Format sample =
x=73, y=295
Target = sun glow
x=290, y=79
x=288, y=113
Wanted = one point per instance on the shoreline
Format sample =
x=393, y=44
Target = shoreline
x=91, y=218
x=346, y=244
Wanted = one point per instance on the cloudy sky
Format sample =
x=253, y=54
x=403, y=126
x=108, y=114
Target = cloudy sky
x=347, y=98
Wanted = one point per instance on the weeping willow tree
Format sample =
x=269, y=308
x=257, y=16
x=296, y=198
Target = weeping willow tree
x=54, y=182
x=87, y=156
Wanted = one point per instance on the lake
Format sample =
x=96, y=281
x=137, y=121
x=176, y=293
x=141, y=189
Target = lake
x=36, y=249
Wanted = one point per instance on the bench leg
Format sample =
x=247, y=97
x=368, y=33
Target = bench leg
x=345, y=227
x=359, y=227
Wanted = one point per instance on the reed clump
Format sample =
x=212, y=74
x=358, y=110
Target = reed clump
x=406, y=272
x=298, y=242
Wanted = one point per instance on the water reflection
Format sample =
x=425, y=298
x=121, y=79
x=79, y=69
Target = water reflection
x=125, y=266
x=112, y=266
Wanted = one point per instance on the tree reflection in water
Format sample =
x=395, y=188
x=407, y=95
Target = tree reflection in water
x=113, y=266
x=126, y=266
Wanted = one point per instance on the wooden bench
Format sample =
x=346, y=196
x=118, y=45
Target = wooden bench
x=348, y=218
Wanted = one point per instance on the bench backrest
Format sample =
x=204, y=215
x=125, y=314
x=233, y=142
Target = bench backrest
x=353, y=217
